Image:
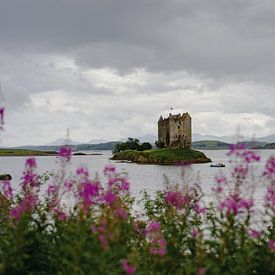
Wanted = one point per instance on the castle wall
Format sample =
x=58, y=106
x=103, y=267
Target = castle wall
x=175, y=131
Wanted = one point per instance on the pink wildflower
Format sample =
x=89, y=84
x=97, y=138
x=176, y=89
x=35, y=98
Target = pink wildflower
x=234, y=203
x=52, y=189
x=127, y=267
x=89, y=193
x=124, y=184
x=31, y=163
x=255, y=234
x=109, y=170
x=120, y=213
x=194, y=233
x=199, y=209
x=270, y=167
x=221, y=179
x=250, y=156
x=240, y=171
x=6, y=189
x=82, y=172
x=235, y=149
x=61, y=216
x=68, y=185
x=153, y=226
x=270, y=196
x=157, y=243
x=271, y=245
x=26, y=205
x=109, y=198
x=176, y=199
x=2, y=111
x=65, y=153
x=30, y=179
x=201, y=271
x=104, y=241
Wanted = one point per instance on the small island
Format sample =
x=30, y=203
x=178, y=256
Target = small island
x=25, y=153
x=174, y=145
x=162, y=156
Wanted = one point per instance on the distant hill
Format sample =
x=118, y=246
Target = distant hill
x=145, y=138
x=97, y=141
x=76, y=147
x=63, y=141
x=268, y=139
x=101, y=146
x=232, y=139
x=210, y=145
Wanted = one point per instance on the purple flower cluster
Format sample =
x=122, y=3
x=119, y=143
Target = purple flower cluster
x=30, y=178
x=30, y=187
x=65, y=153
x=2, y=111
x=271, y=245
x=221, y=181
x=270, y=167
x=270, y=196
x=157, y=243
x=26, y=205
x=89, y=192
x=129, y=269
x=176, y=199
x=233, y=204
x=102, y=231
x=6, y=189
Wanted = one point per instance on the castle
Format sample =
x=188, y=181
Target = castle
x=175, y=131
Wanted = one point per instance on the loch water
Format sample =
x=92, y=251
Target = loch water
x=141, y=176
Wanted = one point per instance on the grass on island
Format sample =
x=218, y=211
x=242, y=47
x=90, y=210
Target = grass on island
x=162, y=154
x=23, y=152
x=174, y=154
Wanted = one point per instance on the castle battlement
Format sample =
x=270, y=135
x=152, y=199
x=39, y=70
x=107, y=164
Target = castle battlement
x=175, y=131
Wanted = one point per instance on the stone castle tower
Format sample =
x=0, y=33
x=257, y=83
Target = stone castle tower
x=175, y=131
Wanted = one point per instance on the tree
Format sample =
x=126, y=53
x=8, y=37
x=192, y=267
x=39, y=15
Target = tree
x=132, y=144
x=145, y=146
x=160, y=144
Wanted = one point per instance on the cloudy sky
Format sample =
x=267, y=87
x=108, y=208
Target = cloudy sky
x=108, y=68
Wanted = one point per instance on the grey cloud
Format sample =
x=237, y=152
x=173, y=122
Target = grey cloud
x=102, y=67
x=219, y=39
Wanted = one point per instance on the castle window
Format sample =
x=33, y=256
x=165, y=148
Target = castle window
x=178, y=127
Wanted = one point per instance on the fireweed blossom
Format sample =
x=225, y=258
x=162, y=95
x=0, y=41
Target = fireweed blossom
x=270, y=197
x=102, y=231
x=269, y=171
x=2, y=111
x=65, y=153
x=30, y=178
x=89, y=193
x=236, y=149
x=199, y=209
x=176, y=199
x=109, y=171
x=271, y=245
x=255, y=233
x=234, y=204
x=157, y=243
x=26, y=205
x=6, y=189
x=245, y=157
x=221, y=182
x=30, y=187
x=129, y=269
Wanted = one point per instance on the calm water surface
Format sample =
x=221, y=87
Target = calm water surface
x=149, y=177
